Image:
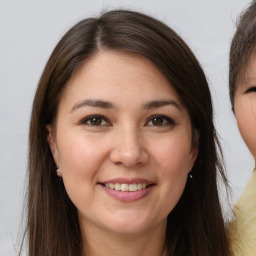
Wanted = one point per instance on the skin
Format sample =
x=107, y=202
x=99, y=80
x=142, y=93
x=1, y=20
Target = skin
x=127, y=142
x=245, y=107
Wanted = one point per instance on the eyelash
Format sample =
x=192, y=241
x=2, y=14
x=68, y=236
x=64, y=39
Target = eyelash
x=252, y=89
x=88, y=119
x=164, y=120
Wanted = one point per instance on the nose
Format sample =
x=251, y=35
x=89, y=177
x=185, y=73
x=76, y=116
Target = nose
x=129, y=149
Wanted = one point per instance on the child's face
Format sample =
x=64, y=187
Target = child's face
x=245, y=107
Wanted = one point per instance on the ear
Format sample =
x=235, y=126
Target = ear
x=52, y=144
x=194, y=149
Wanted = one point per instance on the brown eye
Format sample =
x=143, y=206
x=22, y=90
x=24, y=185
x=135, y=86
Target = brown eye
x=160, y=120
x=157, y=121
x=95, y=120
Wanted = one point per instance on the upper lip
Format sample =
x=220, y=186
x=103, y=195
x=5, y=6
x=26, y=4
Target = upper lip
x=127, y=181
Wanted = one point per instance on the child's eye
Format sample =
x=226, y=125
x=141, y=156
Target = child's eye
x=160, y=120
x=95, y=120
x=251, y=89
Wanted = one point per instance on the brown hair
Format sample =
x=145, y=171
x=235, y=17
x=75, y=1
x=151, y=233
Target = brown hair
x=195, y=227
x=242, y=48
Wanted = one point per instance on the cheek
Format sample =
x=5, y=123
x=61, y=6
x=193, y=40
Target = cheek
x=173, y=164
x=245, y=112
x=173, y=155
x=80, y=158
x=81, y=161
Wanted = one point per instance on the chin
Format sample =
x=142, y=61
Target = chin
x=127, y=224
x=132, y=224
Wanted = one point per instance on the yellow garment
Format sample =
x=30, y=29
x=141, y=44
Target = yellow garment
x=242, y=230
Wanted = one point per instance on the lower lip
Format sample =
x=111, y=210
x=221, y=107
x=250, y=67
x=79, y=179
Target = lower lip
x=126, y=196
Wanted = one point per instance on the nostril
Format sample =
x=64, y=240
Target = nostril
x=128, y=154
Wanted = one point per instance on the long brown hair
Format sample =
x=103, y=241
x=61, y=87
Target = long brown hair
x=195, y=226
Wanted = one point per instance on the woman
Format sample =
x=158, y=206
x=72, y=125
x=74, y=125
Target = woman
x=122, y=156
x=243, y=98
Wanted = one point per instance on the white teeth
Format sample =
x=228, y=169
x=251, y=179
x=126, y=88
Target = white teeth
x=133, y=187
x=139, y=186
x=126, y=187
x=117, y=186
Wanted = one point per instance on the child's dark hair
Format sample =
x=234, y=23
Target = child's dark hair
x=243, y=46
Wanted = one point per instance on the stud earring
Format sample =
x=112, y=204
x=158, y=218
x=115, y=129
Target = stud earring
x=58, y=171
x=190, y=175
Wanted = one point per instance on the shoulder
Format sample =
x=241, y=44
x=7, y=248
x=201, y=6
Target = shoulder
x=242, y=230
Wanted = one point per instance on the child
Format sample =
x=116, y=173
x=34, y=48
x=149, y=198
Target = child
x=242, y=84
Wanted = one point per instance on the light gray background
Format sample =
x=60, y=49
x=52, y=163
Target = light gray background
x=28, y=32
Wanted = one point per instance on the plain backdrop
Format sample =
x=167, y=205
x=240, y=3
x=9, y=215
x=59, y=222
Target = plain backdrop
x=29, y=30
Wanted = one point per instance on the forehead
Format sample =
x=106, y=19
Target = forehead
x=110, y=74
x=247, y=76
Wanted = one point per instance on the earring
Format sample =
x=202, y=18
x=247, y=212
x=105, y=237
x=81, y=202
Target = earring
x=190, y=175
x=58, y=171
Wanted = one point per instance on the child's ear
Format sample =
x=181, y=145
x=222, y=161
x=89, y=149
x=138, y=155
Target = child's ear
x=52, y=143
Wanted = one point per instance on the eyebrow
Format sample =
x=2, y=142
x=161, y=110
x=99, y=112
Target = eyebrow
x=108, y=105
x=161, y=103
x=93, y=103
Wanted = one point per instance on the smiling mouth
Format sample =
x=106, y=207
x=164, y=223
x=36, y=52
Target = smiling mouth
x=126, y=187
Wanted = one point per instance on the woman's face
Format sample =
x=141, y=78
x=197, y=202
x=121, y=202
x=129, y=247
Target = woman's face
x=245, y=107
x=123, y=144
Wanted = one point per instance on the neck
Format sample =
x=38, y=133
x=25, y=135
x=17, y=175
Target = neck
x=98, y=242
